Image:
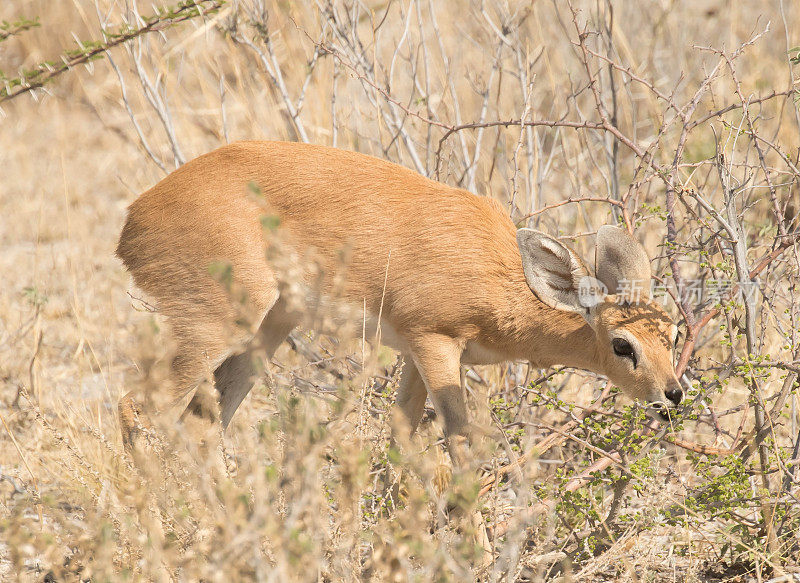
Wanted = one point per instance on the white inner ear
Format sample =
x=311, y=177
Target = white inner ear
x=554, y=272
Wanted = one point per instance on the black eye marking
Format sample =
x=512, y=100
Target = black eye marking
x=624, y=349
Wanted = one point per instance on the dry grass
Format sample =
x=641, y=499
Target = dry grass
x=313, y=489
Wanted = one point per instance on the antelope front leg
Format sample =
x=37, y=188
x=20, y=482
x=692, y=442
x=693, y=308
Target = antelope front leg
x=438, y=359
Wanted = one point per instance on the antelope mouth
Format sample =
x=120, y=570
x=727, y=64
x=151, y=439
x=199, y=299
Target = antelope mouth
x=660, y=411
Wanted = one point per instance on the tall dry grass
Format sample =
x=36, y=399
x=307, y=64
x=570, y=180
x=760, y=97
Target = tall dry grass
x=677, y=118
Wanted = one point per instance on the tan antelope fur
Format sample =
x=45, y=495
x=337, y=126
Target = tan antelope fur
x=452, y=278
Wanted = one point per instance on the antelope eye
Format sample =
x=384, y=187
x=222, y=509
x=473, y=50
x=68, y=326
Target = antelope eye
x=624, y=349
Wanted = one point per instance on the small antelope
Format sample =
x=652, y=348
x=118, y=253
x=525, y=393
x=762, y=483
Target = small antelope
x=448, y=274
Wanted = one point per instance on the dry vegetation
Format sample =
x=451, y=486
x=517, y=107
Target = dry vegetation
x=678, y=118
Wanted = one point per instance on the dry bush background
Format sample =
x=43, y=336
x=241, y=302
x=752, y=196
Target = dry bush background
x=677, y=118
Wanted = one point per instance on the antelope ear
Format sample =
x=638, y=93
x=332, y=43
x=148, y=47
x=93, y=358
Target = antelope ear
x=555, y=273
x=621, y=262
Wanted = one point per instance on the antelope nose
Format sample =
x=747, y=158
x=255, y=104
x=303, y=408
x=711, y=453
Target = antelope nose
x=674, y=394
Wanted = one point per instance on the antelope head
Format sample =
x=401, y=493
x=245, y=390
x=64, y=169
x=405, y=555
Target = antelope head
x=634, y=337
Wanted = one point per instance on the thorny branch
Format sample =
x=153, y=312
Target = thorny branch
x=88, y=51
